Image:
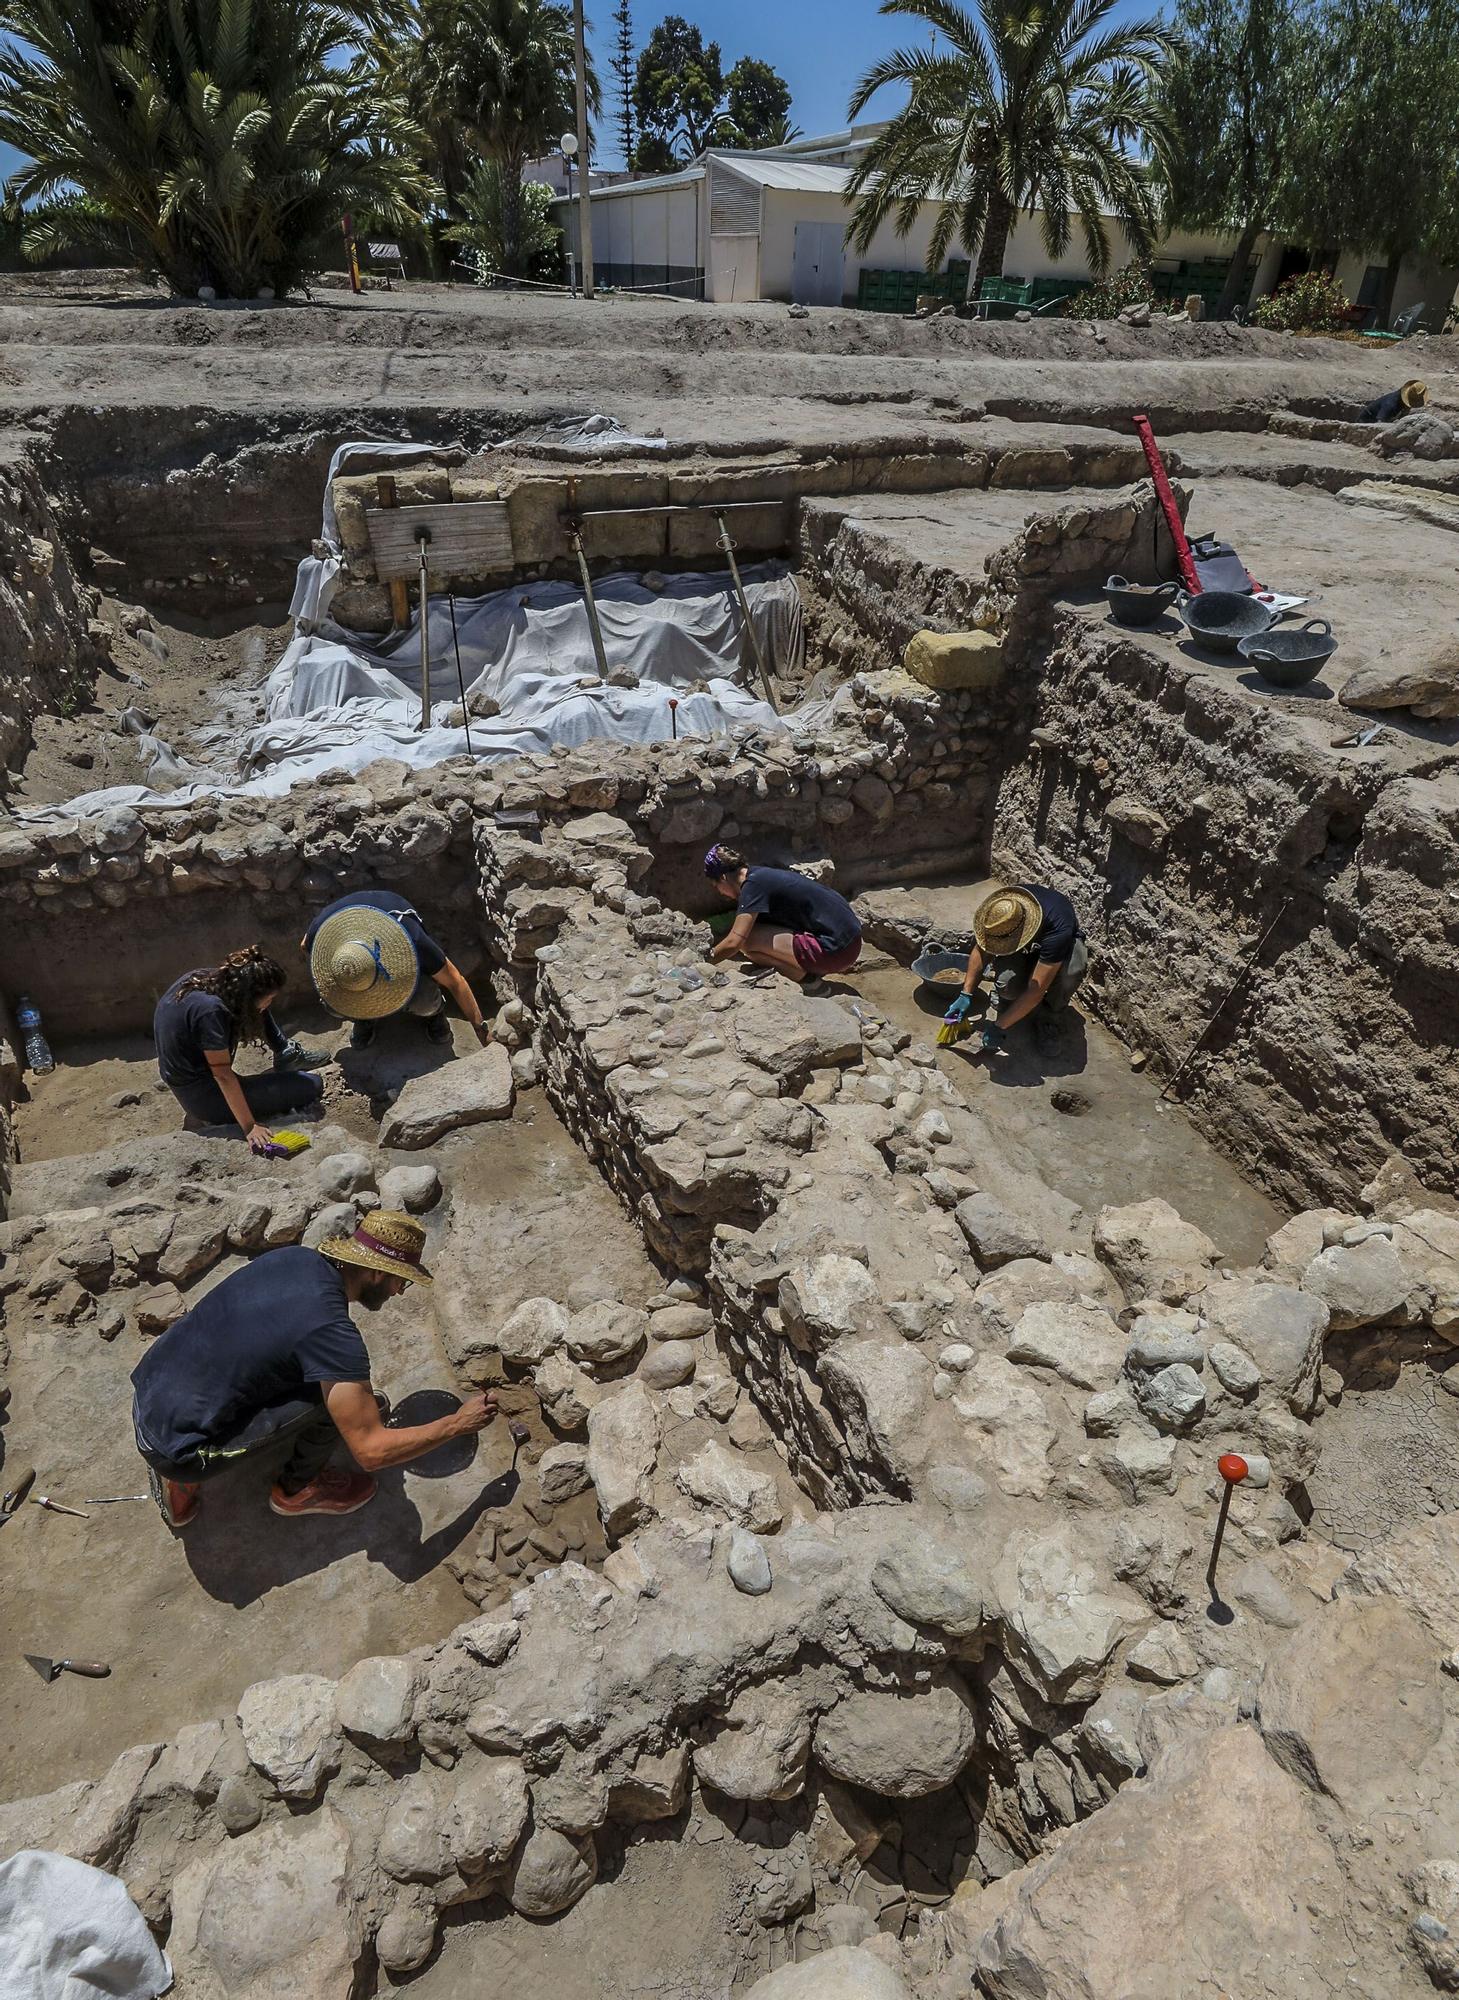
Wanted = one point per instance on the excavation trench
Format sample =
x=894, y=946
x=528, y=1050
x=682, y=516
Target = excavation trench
x=775, y=1163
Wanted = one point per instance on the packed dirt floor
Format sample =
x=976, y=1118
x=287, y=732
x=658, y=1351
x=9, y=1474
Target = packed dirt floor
x=193, y=1620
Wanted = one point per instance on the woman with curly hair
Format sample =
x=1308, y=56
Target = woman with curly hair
x=200, y=1021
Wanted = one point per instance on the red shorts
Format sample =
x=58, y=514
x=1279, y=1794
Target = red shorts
x=814, y=957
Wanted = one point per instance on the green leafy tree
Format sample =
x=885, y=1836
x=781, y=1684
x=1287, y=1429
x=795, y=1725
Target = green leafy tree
x=685, y=102
x=1376, y=153
x=219, y=140
x=479, y=232
x=488, y=79
x=1232, y=100
x=623, y=65
x=1023, y=105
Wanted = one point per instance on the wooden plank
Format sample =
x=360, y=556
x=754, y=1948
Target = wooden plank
x=470, y=539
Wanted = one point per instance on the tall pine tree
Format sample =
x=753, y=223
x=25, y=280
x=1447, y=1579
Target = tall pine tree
x=623, y=65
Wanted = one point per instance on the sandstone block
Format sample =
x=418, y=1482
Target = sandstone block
x=1081, y=1344
x=623, y=1448
x=291, y=1731
x=942, y=660
x=846, y=1972
x=465, y=1092
x=1153, y=1251
x=721, y=1480
x=759, y=1749
x=902, y=1746
x=553, y=1871
x=376, y=1698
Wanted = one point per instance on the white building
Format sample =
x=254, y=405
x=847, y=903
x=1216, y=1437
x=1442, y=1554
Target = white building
x=740, y=227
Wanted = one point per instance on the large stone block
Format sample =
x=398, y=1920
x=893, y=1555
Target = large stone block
x=955, y=660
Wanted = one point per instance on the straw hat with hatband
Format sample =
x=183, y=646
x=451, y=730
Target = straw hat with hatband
x=1006, y=922
x=385, y=1241
x=363, y=963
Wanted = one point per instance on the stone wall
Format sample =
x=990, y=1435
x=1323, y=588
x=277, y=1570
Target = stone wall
x=1183, y=823
x=51, y=642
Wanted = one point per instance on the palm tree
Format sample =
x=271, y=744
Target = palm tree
x=220, y=139
x=1033, y=104
x=493, y=78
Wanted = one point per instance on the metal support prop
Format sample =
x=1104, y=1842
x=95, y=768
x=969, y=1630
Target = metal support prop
x=574, y=536
x=424, y=538
x=727, y=549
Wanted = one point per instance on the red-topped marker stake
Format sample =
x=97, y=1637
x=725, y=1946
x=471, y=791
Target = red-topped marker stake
x=1233, y=1469
x=674, y=717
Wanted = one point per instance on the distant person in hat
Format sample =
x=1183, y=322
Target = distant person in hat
x=371, y=956
x=801, y=928
x=271, y=1355
x=199, y=1022
x=1031, y=938
x=1397, y=403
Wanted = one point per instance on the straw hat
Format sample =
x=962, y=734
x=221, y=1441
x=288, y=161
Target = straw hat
x=385, y=1241
x=1007, y=921
x=363, y=963
x=1414, y=395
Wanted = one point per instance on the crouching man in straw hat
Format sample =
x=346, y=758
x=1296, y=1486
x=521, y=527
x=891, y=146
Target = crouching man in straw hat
x=371, y=956
x=271, y=1354
x=1031, y=937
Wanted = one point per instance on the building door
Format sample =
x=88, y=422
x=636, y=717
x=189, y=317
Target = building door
x=815, y=272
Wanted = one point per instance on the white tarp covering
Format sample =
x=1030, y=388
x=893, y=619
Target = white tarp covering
x=340, y=699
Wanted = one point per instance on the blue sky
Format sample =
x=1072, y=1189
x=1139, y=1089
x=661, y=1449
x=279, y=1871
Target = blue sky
x=820, y=47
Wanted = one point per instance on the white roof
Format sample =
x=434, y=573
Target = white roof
x=653, y=184
x=804, y=176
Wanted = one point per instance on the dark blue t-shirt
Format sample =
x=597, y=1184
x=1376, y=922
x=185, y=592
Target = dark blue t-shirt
x=270, y=1333
x=430, y=954
x=1055, y=937
x=799, y=904
x=184, y=1027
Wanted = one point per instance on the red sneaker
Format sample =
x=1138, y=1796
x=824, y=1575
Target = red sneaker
x=178, y=1500
x=334, y=1491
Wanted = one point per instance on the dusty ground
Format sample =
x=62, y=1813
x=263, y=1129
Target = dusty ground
x=188, y=1622
x=704, y=373
x=1126, y=1146
x=174, y=675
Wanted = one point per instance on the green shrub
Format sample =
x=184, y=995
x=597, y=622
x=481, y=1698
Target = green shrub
x=1310, y=302
x=1108, y=297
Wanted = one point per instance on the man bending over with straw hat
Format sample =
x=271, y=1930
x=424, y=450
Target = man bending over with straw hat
x=271, y=1355
x=371, y=956
x=1031, y=937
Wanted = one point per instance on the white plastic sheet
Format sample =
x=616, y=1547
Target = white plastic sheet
x=340, y=699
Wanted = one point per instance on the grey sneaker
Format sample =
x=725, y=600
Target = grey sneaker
x=294, y=1055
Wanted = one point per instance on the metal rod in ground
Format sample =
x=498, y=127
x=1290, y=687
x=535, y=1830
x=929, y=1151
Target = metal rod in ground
x=674, y=717
x=727, y=547
x=575, y=537
x=1233, y=1469
x=425, y=635
x=1200, y=1041
x=460, y=676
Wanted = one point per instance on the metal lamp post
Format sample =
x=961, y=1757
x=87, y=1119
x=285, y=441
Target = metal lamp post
x=567, y=145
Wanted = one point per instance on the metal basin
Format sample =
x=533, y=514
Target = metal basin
x=1219, y=620
x=1138, y=603
x=1291, y=659
x=932, y=962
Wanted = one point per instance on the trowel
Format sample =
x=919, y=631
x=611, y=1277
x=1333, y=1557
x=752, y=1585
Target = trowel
x=93, y=1670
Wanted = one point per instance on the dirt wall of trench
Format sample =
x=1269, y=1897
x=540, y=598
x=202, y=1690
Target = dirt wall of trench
x=1183, y=824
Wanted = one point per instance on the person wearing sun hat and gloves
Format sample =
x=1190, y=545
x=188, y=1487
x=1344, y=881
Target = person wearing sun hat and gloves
x=371, y=956
x=1397, y=403
x=271, y=1356
x=1031, y=937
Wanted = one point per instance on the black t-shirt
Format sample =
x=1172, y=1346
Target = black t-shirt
x=800, y=905
x=431, y=957
x=1055, y=937
x=269, y=1334
x=184, y=1027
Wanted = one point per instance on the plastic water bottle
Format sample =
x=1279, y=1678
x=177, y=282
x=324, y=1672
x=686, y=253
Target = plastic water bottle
x=37, y=1049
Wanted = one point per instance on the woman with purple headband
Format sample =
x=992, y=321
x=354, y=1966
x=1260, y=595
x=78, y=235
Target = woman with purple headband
x=785, y=921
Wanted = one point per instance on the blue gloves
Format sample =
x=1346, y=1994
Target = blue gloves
x=959, y=1009
x=992, y=1037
